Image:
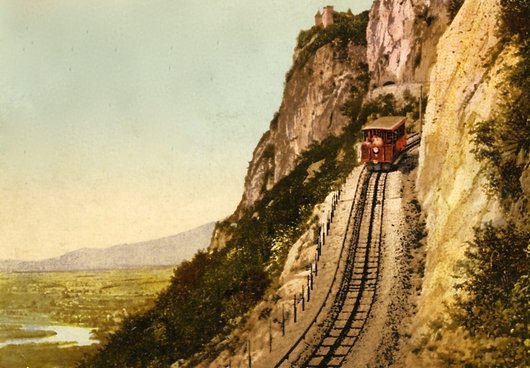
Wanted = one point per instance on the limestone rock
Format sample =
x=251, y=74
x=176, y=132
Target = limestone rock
x=472, y=63
x=310, y=112
x=402, y=37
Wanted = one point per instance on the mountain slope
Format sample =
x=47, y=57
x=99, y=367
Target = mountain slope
x=159, y=252
x=329, y=68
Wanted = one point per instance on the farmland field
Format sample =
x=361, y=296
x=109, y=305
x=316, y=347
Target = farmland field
x=98, y=301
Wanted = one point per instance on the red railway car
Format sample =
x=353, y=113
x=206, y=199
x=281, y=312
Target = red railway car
x=384, y=140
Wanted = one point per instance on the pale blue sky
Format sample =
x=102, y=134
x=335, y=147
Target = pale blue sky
x=123, y=121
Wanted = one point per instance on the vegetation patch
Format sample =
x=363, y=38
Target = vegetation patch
x=453, y=8
x=383, y=105
x=502, y=144
x=314, y=168
x=497, y=289
x=347, y=28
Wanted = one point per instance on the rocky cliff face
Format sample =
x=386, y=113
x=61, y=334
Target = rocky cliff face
x=409, y=43
x=310, y=112
x=402, y=38
x=464, y=66
x=466, y=85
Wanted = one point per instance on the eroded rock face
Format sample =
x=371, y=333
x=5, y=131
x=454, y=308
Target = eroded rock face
x=402, y=37
x=465, y=88
x=463, y=66
x=309, y=113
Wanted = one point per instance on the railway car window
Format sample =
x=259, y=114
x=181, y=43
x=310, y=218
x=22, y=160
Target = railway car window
x=388, y=137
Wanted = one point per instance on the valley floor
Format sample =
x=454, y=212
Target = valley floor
x=95, y=300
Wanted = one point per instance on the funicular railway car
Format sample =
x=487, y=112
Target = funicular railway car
x=384, y=139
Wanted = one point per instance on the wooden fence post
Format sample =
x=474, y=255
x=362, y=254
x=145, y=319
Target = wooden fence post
x=249, y=356
x=270, y=336
x=294, y=307
x=303, y=298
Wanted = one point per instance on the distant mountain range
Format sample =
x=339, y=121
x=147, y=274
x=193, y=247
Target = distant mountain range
x=159, y=252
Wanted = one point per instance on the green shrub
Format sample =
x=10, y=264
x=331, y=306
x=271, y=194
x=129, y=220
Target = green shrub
x=515, y=18
x=304, y=37
x=497, y=292
x=503, y=143
x=353, y=106
x=383, y=105
x=499, y=158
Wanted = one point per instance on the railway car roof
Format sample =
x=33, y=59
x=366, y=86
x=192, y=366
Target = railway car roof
x=386, y=122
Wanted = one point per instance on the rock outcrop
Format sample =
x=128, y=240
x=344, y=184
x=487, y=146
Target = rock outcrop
x=466, y=87
x=310, y=112
x=402, y=38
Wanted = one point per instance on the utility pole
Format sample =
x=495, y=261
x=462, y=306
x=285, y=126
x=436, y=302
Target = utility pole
x=421, y=108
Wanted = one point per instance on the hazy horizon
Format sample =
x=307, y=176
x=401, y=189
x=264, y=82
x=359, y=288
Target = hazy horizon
x=123, y=122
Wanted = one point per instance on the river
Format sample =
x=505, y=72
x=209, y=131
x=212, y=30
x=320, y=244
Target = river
x=79, y=336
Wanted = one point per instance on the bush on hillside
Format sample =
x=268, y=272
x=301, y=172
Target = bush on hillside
x=383, y=105
x=515, y=18
x=503, y=143
x=497, y=290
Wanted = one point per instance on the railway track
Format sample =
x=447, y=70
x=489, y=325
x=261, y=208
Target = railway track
x=333, y=339
x=356, y=294
x=413, y=140
x=335, y=330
